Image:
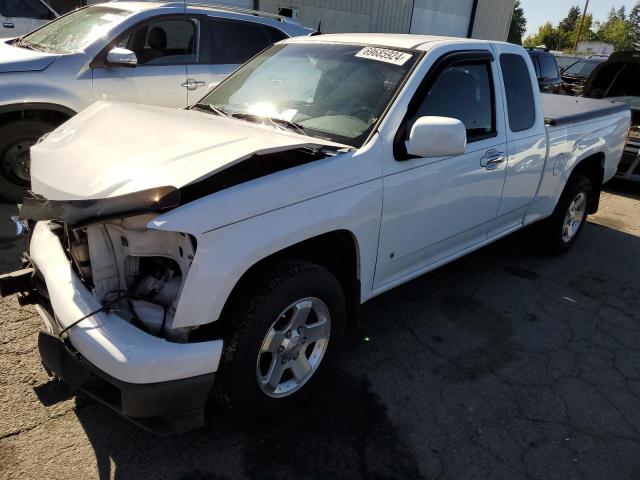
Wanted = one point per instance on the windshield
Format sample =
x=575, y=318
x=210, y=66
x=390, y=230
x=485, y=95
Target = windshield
x=332, y=91
x=73, y=32
x=584, y=67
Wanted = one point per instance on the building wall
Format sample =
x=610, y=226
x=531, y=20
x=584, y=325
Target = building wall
x=595, y=48
x=492, y=19
x=442, y=17
x=349, y=15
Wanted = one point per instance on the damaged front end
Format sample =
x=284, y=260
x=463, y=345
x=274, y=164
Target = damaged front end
x=107, y=288
x=136, y=271
x=139, y=272
x=107, y=281
x=127, y=266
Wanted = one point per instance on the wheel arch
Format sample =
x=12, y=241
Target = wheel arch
x=336, y=250
x=591, y=167
x=48, y=112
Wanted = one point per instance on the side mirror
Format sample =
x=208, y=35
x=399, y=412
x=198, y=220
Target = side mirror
x=437, y=137
x=122, y=57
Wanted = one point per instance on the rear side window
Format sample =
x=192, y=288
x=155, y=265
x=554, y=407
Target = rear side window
x=235, y=42
x=519, y=92
x=472, y=103
x=25, y=9
x=548, y=67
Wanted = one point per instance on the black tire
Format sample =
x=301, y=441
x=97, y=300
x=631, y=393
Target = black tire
x=246, y=325
x=15, y=138
x=551, y=233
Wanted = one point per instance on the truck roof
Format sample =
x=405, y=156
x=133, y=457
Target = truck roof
x=396, y=40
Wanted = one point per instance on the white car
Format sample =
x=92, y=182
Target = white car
x=211, y=257
x=18, y=17
x=145, y=52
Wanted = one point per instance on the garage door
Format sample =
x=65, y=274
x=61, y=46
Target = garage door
x=441, y=17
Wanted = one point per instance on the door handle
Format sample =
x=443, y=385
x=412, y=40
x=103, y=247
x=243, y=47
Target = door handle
x=192, y=84
x=7, y=25
x=492, y=159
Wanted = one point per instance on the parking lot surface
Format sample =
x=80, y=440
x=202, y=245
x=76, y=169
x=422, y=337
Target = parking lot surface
x=505, y=364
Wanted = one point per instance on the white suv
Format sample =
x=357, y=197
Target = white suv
x=144, y=52
x=18, y=17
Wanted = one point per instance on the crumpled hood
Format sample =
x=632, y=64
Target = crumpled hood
x=113, y=149
x=16, y=59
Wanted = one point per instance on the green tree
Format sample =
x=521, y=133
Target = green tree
x=586, y=34
x=616, y=30
x=518, y=25
x=570, y=22
x=620, y=30
x=567, y=28
x=622, y=13
x=547, y=35
x=634, y=27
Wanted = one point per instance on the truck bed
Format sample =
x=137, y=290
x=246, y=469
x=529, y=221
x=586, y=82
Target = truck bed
x=562, y=109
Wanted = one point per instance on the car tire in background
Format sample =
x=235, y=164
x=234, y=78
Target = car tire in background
x=281, y=335
x=560, y=231
x=16, y=139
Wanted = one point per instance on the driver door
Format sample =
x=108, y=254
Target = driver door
x=164, y=47
x=436, y=208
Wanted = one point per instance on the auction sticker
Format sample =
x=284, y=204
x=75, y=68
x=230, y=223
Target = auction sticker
x=384, y=55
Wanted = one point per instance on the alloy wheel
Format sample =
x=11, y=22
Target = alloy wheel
x=574, y=217
x=293, y=347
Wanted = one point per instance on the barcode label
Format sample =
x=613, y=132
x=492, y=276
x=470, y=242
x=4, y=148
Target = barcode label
x=384, y=55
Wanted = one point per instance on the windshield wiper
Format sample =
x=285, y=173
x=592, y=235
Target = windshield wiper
x=210, y=108
x=276, y=122
x=290, y=125
x=22, y=44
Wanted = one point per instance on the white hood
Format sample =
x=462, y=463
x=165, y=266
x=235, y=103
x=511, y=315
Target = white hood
x=112, y=149
x=17, y=59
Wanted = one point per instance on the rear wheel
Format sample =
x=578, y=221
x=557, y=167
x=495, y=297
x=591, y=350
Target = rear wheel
x=562, y=229
x=15, y=141
x=281, y=337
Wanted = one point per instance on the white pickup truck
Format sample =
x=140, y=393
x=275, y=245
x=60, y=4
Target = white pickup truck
x=210, y=258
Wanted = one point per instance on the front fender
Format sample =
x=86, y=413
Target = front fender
x=61, y=92
x=225, y=254
x=237, y=227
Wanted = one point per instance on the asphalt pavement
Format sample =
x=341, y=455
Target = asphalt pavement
x=506, y=364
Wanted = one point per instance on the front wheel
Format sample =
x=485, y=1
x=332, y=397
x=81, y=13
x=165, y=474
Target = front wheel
x=16, y=140
x=562, y=229
x=281, y=336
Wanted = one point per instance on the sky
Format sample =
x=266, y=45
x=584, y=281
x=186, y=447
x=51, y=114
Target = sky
x=538, y=12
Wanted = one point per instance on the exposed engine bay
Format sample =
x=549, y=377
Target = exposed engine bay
x=139, y=272
x=136, y=271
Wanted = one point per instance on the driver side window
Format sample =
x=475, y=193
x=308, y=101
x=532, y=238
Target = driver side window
x=463, y=92
x=164, y=42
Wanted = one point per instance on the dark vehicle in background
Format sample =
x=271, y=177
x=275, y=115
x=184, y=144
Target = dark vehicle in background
x=547, y=71
x=618, y=79
x=575, y=75
x=565, y=61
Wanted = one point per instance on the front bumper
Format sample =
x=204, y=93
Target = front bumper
x=164, y=408
x=160, y=384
